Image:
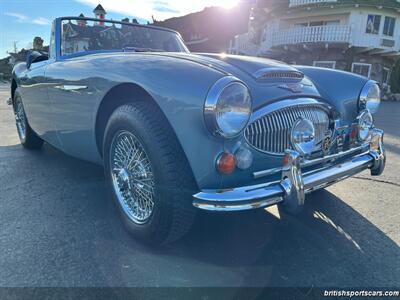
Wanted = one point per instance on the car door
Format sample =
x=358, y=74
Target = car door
x=33, y=87
x=73, y=108
x=73, y=99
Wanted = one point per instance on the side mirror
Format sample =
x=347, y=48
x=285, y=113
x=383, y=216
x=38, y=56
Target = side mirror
x=34, y=57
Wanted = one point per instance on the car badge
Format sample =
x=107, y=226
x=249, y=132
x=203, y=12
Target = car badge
x=293, y=87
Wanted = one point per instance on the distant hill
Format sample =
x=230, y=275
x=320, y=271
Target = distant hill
x=211, y=29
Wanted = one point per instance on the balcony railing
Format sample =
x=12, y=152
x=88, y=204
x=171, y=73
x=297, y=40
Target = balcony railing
x=312, y=34
x=294, y=3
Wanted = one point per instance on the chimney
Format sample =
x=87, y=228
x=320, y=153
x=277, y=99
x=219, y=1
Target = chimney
x=100, y=13
x=81, y=23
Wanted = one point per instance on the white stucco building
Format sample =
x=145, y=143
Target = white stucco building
x=361, y=36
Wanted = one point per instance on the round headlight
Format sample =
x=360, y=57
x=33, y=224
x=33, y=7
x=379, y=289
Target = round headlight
x=370, y=97
x=365, y=124
x=227, y=108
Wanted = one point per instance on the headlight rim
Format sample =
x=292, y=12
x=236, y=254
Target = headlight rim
x=362, y=114
x=363, y=98
x=210, y=106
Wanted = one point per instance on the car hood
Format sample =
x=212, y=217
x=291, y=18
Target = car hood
x=249, y=69
x=233, y=64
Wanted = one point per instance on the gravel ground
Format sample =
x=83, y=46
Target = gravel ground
x=58, y=228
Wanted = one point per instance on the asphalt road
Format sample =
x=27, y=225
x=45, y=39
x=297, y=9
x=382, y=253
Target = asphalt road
x=59, y=228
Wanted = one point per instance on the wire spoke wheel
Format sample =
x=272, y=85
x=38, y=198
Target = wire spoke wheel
x=132, y=177
x=20, y=119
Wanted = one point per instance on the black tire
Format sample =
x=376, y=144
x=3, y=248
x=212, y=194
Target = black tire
x=28, y=138
x=173, y=213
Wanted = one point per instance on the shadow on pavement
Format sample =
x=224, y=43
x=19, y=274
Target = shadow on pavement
x=58, y=217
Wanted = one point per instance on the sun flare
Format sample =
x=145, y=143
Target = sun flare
x=226, y=3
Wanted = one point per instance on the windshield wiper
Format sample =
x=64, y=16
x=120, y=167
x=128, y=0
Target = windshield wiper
x=139, y=49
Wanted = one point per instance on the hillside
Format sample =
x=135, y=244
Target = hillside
x=211, y=29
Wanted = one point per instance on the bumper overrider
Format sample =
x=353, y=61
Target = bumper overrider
x=290, y=191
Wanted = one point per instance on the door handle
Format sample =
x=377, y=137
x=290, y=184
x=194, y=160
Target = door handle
x=71, y=88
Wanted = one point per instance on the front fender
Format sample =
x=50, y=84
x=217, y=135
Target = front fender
x=179, y=87
x=340, y=89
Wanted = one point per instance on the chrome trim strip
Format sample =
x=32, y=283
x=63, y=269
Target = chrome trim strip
x=71, y=88
x=267, y=172
x=285, y=104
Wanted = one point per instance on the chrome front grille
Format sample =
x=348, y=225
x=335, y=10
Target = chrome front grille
x=271, y=132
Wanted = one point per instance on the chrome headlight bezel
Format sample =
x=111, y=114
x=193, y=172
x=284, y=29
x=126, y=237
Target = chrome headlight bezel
x=365, y=125
x=211, y=108
x=368, y=101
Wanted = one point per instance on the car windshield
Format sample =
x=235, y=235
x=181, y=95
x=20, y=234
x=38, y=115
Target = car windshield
x=80, y=35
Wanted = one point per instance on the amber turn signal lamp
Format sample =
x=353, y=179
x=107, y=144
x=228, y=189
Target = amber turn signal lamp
x=226, y=163
x=285, y=160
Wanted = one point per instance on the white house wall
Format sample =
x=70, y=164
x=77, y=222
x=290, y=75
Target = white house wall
x=341, y=15
x=358, y=22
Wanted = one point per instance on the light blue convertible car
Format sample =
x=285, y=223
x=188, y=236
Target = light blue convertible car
x=177, y=132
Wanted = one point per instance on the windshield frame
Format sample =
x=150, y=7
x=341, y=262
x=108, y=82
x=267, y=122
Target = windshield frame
x=58, y=37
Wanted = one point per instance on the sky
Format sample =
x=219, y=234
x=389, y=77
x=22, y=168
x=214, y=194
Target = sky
x=22, y=20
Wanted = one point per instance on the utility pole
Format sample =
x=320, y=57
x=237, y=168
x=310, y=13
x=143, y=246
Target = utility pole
x=15, y=46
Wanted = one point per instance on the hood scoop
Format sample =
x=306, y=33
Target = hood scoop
x=278, y=75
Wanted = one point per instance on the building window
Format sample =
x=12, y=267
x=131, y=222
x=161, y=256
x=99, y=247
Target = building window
x=325, y=64
x=301, y=25
x=317, y=23
x=385, y=76
x=361, y=69
x=373, y=24
x=388, y=27
x=332, y=23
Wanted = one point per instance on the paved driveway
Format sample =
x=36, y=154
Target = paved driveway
x=59, y=228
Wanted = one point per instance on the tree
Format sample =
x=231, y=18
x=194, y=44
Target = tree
x=38, y=43
x=395, y=78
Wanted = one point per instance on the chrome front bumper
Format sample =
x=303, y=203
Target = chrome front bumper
x=291, y=189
